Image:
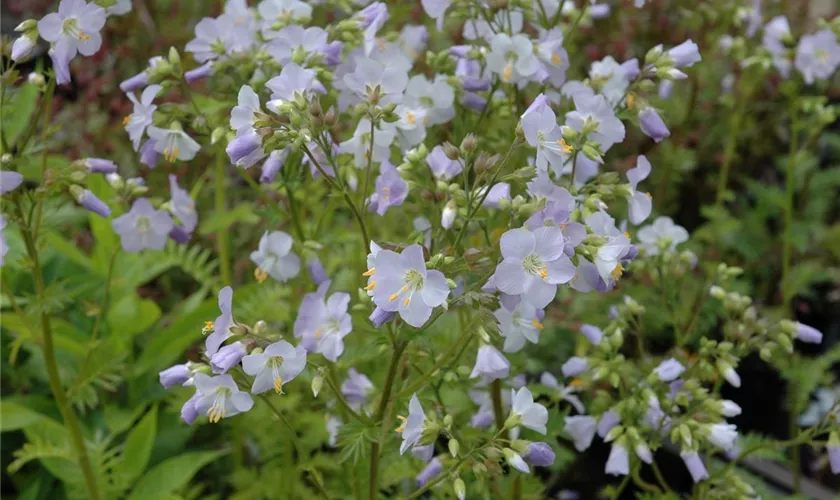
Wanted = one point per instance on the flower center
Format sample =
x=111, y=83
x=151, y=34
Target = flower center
x=413, y=282
x=534, y=266
x=410, y=118
x=274, y=363
x=217, y=410
x=71, y=28
x=143, y=225
x=555, y=59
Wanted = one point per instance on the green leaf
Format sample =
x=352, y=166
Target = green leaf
x=16, y=416
x=138, y=445
x=21, y=108
x=172, y=474
x=170, y=343
x=243, y=213
x=69, y=250
x=131, y=315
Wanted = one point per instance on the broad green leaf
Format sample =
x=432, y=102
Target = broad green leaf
x=138, y=445
x=170, y=342
x=21, y=108
x=69, y=250
x=243, y=213
x=131, y=315
x=172, y=474
x=14, y=416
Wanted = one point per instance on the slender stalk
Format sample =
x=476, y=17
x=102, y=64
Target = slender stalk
x=793, y=431
x=729, y=152
x=102, y=308
x=67, y=414
x=282, y=417
x=789, y=192
x=498, y=413
x=660, y=477
x=222, y=235
x=425, y=378
x=574, y=167
x=373, y=484
x=368, y=165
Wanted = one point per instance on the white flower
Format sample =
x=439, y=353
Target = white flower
x=512, y=58
x=519, y=325
x=137, y=122
x=73, y=29
x=174, y=144
x=412, y=427
x=723, y=435
x=530, y=414
x=662, y=231
x=220, y=397
x=581, y=428
x=274, y=257
x=277, y=365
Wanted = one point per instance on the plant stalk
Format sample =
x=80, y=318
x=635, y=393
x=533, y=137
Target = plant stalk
x=789, y=192
x=373, y=473
x=222, y=235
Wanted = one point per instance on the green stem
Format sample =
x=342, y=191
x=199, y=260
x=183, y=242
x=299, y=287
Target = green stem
x=222, y=235
x=67, y=414
x=789, y=192
x=793, y=430
x=427, y=377
x=368, y=166
x=373, y=484
x=498, y=413
x=282, y=417
x=102, y=308
x=729, y=152
x=660, y=477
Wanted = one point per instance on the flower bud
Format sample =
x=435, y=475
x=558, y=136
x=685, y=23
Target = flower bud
x=460, y=489
x=469, y=144
x=317, y=384
x=450, y=151
x=454, y=446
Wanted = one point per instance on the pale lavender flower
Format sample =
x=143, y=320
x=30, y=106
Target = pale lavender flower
x=220, y=397
x=685, y=54
x=223, y=323
x=293, y=79
x=227, y=357
x=432, y=470
x=518, y=326
x=808, y=334
x=316, y=270
x=371, y=19
x=173, y=143
x=490, y=364
x=819, y=409
x=512, y=58
x=729, y=408
x=273, y=164
x=244, y=114
x=539, y=454
x=183, y=205
x=174, y=375
x=574, y=366
x=436, y=97
x=592, y=333
x=499, y=192
x=278, y=364
x=199, y=73
x=436, y=9
x=473, y=101
x=273, y=11
x=380, y=316
x=723, y=435
x=322, y=323
x=141, y=118
x=609, y=130
x=618, y=463
x=528, y=413
x=245, y=150
x=669, y=370
x=639, y=203
x=411, y=125
x=93, y=204
x=542, y=132
x=73, y=29
x=652, y=124
x=141, y=79
x=401, y=283
x=776, y=32
x=391, y=190
x=609, y=77
x=359, y=144
x=143, y=227
x=695, y=466
x=213, y=39
x=356, y=388
x=565, y=393
x=311, y=41
x=515, y=460
x=534, y=264
x=424, y=452
x=99, y=165
x=412, y=427
x=23, y=45
x=370, y=74
x=581, y=429
x=275, y=257
x=179, y=234
x=663, y=230
x=553, y=56
x=608, y=420
x=148, y=155
x=9, y=181
x=413, y=39
x=188, y=411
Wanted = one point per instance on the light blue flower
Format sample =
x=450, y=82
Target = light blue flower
x=220, y=397
x=519, y=325
x=143, y=227
x=278, y=364
x=490, y=364
x=73, y=29
x=322, y=322
x=274, y=257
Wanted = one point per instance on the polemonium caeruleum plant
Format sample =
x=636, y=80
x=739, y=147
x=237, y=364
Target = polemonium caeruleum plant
x=461, y=214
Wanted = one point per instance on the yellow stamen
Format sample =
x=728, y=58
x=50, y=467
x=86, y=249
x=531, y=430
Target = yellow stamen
x=626, y=234
x=576, y=382
x=555, y=59
x=650, y=196
x=631, y=100
x=537, y=324
x=381, y=43
x=208, y=325
x=278, y=385
x=369, y=272
x=401, y=428
x=406, y=301
x=564, y=146
x=371, y=286
x=410, y=118
x=393, y=296
x=617, y=271
x=215, y=413
x=507, y=73
x=126, y=120
x=426, y=120
x=84, y=36
x=318, y=333
x=543, y=270
x=260, y=275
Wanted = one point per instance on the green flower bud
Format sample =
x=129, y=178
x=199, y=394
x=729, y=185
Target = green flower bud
x=454, y=447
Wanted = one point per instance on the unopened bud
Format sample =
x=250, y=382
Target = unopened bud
x=450, y=151
x=317, y=384
x=469, y=144
x=454, y=446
